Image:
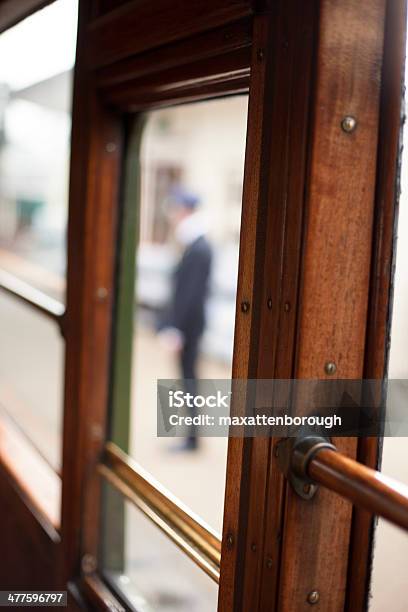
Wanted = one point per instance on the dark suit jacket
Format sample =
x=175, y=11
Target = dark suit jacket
x=190, y=289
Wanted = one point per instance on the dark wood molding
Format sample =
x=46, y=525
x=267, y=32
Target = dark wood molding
x=11, y=12
x=99, y=595
x=215, y=76
x=335, y=275
x=273, y=202
x=383, y=256
x=29, y=553
x=140, y=25
x=203, y=46
x=316, y=258
x=95, y=186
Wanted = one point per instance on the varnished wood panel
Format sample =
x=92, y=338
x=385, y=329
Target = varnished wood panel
x=299, y=34
x=141, y=25
x=100, y=7
x=380, y=303
x=335, y=278
x=245, y=338
x=203, y=46
x=94, y=203
x=28, y=552
x=276, y=162
x=94, y=189
x=276, y=548
x=225, y=73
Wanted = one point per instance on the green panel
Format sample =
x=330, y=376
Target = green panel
x=113, y=517
x=126, y=305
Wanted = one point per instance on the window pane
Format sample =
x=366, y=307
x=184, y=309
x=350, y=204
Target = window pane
x=185, y=214
x=35, y=125
x=31, y=370
x=148, y=568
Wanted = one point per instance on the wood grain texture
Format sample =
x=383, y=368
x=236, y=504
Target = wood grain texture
x=380, y=302
x=177, y=54
x=269, y=262
x=306, y=183
x=99, y=595
x=140, y=25
x=225, y=73
x=88, y=338
x=94, y=184
x=233, y=559
x=28, y=552
x=287, y=200
x=335, y=278
x=92, y=239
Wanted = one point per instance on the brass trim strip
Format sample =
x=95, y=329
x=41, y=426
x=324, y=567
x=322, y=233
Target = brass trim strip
x=31, y=296
x=197, y=540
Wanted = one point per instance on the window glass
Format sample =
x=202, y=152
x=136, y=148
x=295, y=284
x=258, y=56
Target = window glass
x=31, y=375
x=185, y=208
x=148, y=569
x=35, y=124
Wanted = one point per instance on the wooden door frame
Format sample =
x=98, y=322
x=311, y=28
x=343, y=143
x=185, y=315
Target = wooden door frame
x=291, y=134
x=203, y=59
x=265, y=565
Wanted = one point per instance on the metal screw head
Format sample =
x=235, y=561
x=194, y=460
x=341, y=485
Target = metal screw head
x=348, y=124
x=269, y=303
x=110, y=147
x=253, y=547
x=88, y=564
x=313, y=597
x=96, y=431
x=260, y=55
x=230, y=540
x=309, y=490
x=286, y=307
x=245, y=306
x=269, y=563
x=330, y=368
x=101, y=294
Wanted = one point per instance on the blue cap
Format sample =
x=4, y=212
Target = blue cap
x=184, y=198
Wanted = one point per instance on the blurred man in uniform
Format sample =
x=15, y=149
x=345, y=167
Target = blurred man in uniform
x=183, y=322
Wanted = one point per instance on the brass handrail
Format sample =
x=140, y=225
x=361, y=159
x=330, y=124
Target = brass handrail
x=366, y=488
x=31, y=296
x=186, y=530
x=312, y=460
